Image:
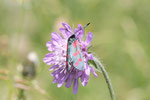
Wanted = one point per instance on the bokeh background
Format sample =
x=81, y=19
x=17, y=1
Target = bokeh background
x=121, y=40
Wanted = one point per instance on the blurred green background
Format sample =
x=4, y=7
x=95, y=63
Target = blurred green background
x=121, y=40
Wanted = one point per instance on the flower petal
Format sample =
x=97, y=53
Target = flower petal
x=50, y=55
x=60, y=83
x=85, y=75
x=54, y=42
x=90, y=56
x=69, y=81
x=79, y=32
x=56, y=36
x=82, y=80
x=49, y=58
x=62, y=80
x=49, y=45
x=67, y=27
x=92, y=70
x=65, y=33
x=89, y=38
x=79, y=73
x=75, y=86
x=54, y=73
x=87, y=71
x=53, y=67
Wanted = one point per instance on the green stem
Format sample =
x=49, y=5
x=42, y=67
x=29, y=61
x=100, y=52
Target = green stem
x=107, y=79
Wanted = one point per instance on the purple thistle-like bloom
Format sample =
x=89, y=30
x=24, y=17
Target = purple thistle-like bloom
x=57, y=58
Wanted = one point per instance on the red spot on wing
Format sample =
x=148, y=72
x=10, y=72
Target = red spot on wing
x=76, y=53
x=67, y=45
x=77, y=63
x=79, y=59
x=67, y=63
x=74, y=44
x=67, y=56
x=77, y=42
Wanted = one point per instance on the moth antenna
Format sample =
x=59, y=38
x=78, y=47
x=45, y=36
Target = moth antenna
x=86, y=25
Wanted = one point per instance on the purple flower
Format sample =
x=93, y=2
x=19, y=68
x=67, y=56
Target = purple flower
x=57, y=58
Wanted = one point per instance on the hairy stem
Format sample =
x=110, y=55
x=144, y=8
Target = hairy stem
x=107, y=79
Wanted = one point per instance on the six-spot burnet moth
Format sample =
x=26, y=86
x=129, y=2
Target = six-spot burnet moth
x=74, y=55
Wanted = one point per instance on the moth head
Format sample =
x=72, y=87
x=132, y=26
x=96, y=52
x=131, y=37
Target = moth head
x=71, y=39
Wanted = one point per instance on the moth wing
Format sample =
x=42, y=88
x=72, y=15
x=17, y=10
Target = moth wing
x=75, y=56
x=68, y=57
x=71, y=50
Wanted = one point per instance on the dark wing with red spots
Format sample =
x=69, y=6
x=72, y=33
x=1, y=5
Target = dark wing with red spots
x=68, y=63
x=74, y=54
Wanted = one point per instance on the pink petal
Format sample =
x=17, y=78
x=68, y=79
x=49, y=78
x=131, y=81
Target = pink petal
x=49, y=59
x=62, y=80
x=92, y=70
x=75, y=86
x=56, y=72
x=49, y=45
x=60, y=83
x=67, y=27
x=56, y=36
x=50, y=55
x=65, y=33
x=90, y=56
x=80, y=73
x=53, y=67
x=79, y=32
x=69, y=81
x=89, y=38
x=54, y=42
x=87, y=70
x=84, y=79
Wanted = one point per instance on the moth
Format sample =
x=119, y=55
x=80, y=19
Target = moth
x=74, y=55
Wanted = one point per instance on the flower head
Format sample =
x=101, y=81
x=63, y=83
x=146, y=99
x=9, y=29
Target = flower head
x=57, y=58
